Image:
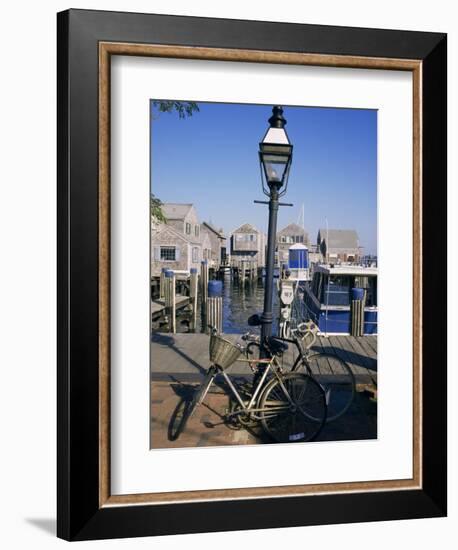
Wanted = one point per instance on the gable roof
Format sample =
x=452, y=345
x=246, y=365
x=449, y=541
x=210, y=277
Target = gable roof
x=246, y=228
x=175, y=210
x=293, y=228
x=339, y=238
x=164, y=228
x=218, y=232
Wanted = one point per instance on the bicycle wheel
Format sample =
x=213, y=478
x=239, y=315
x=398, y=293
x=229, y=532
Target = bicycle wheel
x=201, y=392
x=293, y=408
x=337, y=379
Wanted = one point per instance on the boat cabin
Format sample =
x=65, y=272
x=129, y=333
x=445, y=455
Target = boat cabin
x=332, y=294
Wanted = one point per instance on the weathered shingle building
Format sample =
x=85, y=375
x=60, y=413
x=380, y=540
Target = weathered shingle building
x=339, y=245
x=179, y=243
x=217, y=254
x=289, y=235
x=248, y=243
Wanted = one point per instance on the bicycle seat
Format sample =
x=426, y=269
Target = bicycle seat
x=276, y=345
x=254, y=320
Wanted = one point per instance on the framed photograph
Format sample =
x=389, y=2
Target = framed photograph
x=251, y=275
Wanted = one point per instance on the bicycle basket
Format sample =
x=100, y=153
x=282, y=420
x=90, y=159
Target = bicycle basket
x=222, y=352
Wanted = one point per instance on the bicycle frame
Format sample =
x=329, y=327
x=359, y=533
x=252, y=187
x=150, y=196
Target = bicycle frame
x=250, y=407
x=302, y=357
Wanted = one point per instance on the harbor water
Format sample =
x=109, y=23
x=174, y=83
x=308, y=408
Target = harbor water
x=240, y=301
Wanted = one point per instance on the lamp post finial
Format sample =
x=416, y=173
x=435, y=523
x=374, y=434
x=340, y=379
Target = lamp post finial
x=277, y=120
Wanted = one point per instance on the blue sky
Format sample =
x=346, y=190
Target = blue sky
x=211, y=160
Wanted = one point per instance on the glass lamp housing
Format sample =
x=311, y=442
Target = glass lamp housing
x=275, y=153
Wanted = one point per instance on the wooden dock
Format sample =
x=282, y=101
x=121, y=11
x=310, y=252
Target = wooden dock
x=185, y=357
x=158, y=306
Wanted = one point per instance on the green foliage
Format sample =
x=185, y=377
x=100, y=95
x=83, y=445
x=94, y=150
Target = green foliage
x=183, y=108
x=156, y=209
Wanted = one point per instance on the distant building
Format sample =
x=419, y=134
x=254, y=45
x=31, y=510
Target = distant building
x=178, y=244
x=339, y=245
x=289, y=235
x=248, y=243
x=183, y=218
x=315, y=255
x=217, y=254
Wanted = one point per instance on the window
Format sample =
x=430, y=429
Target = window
x=336, y=290
x=168, y=253
x=188, y=228
x=196, y=230
x=195, y=254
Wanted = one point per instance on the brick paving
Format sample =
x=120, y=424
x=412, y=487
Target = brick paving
x=179, y=362
x=207, y=426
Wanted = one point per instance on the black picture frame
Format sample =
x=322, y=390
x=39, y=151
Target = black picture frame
x=80, y=516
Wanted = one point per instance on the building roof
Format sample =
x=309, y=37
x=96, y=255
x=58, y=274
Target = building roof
x=293, y=229
x=339, y=238
x=218, y=232
x=164, y=228
x=246, y=228
x=176, y=211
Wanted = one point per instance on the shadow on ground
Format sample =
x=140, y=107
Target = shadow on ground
x=48, y=525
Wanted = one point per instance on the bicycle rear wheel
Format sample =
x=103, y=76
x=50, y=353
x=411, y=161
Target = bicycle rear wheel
x=338, y=381
x=293, y=408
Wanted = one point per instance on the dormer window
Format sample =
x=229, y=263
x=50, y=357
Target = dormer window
x=188, y=228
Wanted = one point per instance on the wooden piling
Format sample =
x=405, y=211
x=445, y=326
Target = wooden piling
x=161, y=283
x=193, y=291
x=204, y=280
x=357, y=317
x=214, y=312
x=170, y=299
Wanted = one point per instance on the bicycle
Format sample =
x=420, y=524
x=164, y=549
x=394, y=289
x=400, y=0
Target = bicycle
x=334, y=374
x=291, y=407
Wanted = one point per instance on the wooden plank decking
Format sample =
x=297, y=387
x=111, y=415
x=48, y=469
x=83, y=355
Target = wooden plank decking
x=185, y=356
x=158, y=306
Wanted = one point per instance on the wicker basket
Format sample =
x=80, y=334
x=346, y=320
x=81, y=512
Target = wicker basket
x=222, y=352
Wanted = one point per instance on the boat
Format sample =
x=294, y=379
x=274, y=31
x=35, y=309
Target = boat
x=335, y=291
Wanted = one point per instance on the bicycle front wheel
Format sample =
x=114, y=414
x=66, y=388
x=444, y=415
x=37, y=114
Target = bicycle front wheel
x=292, y=408
x=201, y=392
x=338, y=381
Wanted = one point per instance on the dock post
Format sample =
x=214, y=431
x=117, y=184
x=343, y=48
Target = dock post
x=215, y=313
x=357, y=317
x=170, y=299
x=204, y=280
x=193, y=286
x=161, y=283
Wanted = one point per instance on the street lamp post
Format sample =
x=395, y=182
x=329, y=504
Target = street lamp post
x=275, y=156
